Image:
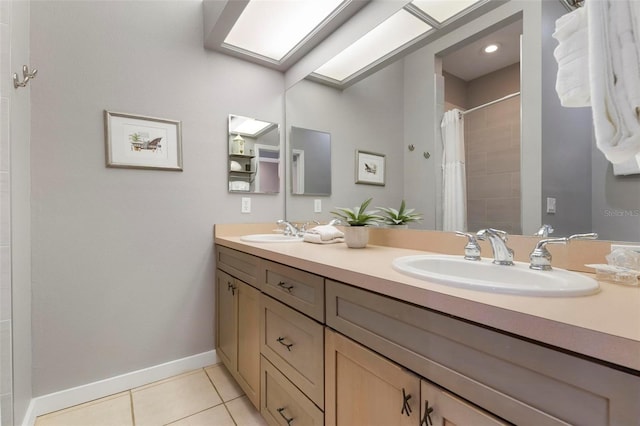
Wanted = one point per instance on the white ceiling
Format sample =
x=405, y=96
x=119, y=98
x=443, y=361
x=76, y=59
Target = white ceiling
x=470, y=62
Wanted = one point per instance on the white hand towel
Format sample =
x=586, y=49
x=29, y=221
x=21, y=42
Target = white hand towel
x=572, y=55
x=317, y=239
x=326, y=232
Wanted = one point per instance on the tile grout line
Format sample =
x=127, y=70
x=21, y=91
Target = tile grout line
x=208, y=408
x=221, y=398
x=133, y=413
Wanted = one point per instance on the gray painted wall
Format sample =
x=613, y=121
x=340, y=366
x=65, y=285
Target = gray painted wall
x=566, y=143
x=366, y=116
x=123, y=266
x=616, y=201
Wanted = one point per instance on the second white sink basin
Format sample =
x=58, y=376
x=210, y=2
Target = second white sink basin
x=485, y=276
x=270, y=238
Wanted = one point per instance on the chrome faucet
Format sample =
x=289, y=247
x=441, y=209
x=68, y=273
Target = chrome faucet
x=289, y=228
x=540, y=256
x=502, y=255
x=472, y=248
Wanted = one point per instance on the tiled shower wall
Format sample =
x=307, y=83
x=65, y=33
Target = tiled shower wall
x=492, y=147
x=492, y=150
x=6, y=367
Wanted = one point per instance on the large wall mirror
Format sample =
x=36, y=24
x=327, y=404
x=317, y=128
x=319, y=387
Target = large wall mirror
x=254, y=155
x=397, y=110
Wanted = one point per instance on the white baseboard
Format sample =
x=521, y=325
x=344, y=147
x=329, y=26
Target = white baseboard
x=80, y=394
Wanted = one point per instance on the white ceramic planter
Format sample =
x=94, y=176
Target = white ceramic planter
x=356, y=236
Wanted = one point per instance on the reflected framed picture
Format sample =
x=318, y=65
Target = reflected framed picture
x=139, y=142
x=370, y=168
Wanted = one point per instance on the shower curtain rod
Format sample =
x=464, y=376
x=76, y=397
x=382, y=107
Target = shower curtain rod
x=489, y=103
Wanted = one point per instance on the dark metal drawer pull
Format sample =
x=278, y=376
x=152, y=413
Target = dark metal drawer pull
x=284, y=286
x=282, y=342
x=426, y=419
x=406, y=409
x=231, y=287
x=280, y=410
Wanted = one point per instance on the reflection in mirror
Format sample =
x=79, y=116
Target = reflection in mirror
x=484, y=87
x=395, y=108
x=310, y=162
x=254, y=155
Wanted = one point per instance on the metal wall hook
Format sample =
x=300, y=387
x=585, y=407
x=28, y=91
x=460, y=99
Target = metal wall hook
x=28, y=75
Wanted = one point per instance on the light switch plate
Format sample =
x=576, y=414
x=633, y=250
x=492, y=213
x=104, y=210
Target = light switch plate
x=317, y=205
x=246, y=205
x=551, y=205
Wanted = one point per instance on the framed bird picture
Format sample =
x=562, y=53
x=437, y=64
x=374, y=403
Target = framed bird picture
x=370, y=168
x=138, y=142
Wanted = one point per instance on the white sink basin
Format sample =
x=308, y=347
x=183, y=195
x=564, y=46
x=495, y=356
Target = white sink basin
x=485, y=276
x=270, y=238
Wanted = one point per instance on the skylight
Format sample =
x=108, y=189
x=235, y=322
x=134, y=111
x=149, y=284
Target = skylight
x=398, y=30
x=442, y=10
x=274, y=28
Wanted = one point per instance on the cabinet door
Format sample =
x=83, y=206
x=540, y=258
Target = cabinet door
x=226, y=321
x=440, y=408
x=248, y=363
x=363, y=388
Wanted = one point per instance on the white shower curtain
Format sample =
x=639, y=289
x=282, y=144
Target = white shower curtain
x=454, y=200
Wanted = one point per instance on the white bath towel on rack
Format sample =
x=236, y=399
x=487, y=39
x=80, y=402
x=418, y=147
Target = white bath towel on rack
x=614, y=52
x=572, y=55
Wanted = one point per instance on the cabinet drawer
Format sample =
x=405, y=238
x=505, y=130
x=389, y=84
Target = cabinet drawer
x=520, y=381
x=300, y=290
x=295, y=345
x=282, y=403
x=241, y=265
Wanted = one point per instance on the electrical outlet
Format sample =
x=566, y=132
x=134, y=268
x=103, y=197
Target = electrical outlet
x=246, y=205
x=317, y=206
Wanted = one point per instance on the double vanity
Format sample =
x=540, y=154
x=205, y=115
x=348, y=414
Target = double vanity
x=324, y=334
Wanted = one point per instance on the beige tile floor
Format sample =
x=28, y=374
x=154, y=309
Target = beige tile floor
x=204, y=397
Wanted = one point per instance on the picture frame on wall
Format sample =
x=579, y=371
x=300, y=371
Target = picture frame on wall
x=370, y=168
x=140, y=142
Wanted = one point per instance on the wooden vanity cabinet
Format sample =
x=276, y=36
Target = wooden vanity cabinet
x=237, y=322
x=516, y=380
x=307, y=348
x=369, y=389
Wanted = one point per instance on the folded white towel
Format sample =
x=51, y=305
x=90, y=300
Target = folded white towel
x=630, y=167
x=317, y=239
x=326, y=232
x=572, y=55
x=614, y=52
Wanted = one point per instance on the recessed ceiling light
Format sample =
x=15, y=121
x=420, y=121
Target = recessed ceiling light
x=396, y=31
x=274, y=28
x=491, y=48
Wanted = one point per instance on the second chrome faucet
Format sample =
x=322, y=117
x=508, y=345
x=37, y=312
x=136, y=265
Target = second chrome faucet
x=502, y=255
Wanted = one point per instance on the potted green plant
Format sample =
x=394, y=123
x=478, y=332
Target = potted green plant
x=356, y=234
x=400, y=217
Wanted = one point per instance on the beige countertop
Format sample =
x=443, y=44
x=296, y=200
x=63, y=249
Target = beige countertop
x=605, y=326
